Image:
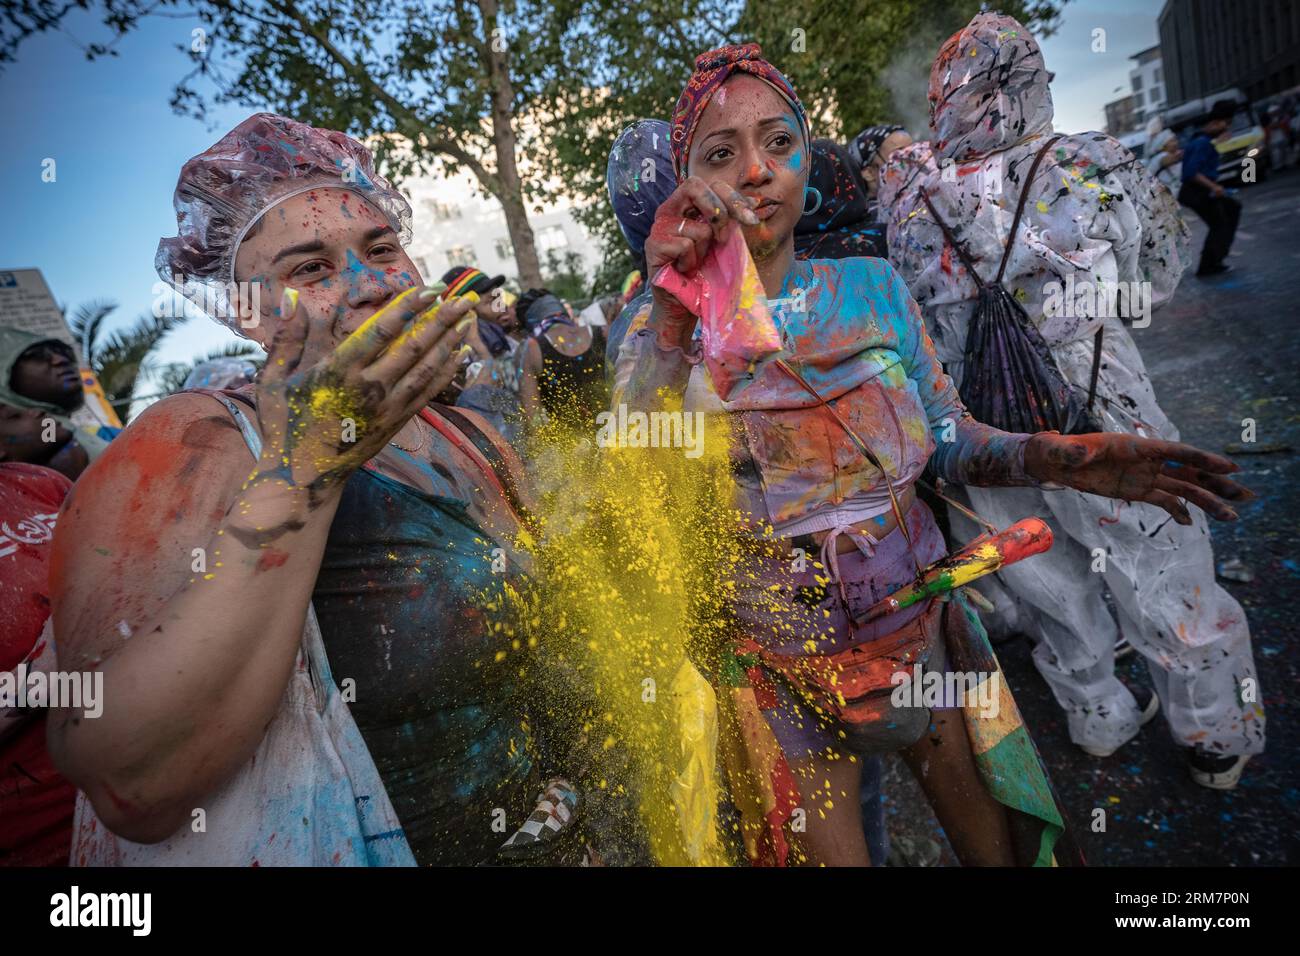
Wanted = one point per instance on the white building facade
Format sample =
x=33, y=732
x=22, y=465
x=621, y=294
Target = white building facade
x=455, y=225
x=1147, y=80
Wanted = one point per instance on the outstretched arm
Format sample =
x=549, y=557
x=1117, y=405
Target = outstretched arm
x=1117, y=465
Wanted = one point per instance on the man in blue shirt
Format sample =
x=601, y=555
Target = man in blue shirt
x=1202, y=192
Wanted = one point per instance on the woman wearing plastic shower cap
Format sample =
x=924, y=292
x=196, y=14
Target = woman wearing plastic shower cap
x=838, y=402
x=195, y=553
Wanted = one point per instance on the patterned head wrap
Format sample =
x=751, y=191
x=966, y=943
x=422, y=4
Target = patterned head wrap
x=867, y=144
x=988, y=89
x=712, y=69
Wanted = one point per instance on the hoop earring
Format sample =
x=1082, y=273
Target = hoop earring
x=817, y=205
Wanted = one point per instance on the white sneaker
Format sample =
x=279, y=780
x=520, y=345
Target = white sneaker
x=1149, y=709
x=1216, y=771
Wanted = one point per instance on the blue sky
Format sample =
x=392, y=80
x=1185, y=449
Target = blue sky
x=118, y=148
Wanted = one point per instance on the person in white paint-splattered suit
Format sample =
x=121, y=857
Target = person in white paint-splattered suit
x=1094, y=216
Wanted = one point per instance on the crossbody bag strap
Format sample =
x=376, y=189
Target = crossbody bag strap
x=491, y=455
x=952, y=240
x=1020, y=205
x=871, y=457
x=1096, y=365
x=866, y=452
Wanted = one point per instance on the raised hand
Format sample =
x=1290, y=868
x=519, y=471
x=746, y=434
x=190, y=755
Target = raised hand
x=323, y=412
x=685, y=227
x=1163, y=473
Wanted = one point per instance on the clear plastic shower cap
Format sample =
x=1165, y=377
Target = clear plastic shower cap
x=226, y=189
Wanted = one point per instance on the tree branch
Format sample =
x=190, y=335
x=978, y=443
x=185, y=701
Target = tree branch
x=415, y=126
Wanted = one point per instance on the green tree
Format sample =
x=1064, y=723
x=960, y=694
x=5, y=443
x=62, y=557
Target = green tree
x=854, y=63
x=478, y=85
x=566, y=278
x=528, y=95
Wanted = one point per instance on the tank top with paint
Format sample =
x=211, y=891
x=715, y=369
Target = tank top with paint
x=403, y=597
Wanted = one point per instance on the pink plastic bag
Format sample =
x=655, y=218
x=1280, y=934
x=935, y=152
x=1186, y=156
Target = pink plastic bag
x=737, y=325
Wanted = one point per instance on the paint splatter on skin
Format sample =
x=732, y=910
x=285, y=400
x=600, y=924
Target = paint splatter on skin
x=763, y=159
x=272, y=558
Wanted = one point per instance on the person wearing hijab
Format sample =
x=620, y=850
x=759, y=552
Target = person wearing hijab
x=871, y=150
x=841, y=225
x=1093, y=218
x=638, y=177
x=830, y=433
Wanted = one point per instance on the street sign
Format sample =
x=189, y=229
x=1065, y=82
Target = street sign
x=26, y=303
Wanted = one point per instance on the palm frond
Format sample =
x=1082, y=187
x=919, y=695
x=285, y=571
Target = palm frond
x=89, y=318
x=233, y=350
x=123, y=356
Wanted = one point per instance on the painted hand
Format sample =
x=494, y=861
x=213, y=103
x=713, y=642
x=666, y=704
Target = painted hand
x=1163, y=473
x=324, y=412
x=685, y=227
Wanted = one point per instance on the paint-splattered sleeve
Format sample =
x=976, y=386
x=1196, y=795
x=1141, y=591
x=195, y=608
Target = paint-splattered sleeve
x=645, y=368
x=966, y=452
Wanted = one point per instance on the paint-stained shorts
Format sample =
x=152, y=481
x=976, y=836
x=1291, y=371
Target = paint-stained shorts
x=790, y=612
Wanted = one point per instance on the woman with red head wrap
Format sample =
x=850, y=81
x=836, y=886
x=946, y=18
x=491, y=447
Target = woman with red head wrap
x=854, y=370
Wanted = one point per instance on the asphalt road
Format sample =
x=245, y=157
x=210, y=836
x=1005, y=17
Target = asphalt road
x=1223, y=350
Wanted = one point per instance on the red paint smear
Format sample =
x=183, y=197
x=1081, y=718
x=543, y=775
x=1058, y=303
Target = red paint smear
x=125, y=806
x=271, y=558
x=1026, y=537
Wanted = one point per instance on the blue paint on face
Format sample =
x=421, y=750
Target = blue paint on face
x=358, y=272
